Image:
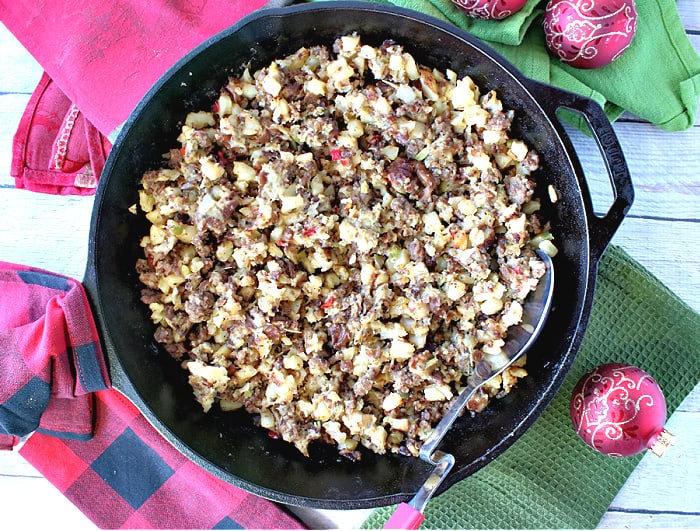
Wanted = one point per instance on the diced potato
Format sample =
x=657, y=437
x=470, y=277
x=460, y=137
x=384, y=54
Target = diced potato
x=200, y=119
x=224, y=251
x=437, y=393
x=519, y=149
x=401, y=349
x=211, y=170
x=429, y=85
x=392, y=401
x=291, y=203
x=146, y=201
x=316, y=86
x=464, y=94
x=271, y=82
x=455, y=290
x=432, y=223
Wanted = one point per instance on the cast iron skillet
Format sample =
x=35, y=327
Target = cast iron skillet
x=228, y=445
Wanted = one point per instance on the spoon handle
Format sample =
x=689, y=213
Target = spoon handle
x=405, y=517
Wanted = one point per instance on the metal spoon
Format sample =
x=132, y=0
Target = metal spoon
x=520, y=339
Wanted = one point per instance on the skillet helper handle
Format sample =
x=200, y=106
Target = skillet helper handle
x=405, y=517
x=552, y=99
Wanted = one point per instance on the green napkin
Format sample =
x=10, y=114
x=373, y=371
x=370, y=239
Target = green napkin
x=657, y=78
x=549, y=479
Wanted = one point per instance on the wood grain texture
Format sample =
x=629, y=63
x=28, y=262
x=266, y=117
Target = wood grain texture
x=18, y=72
x=689, y=11
x=20, y=489
x=52, y=235
x=662, y=232
x=667, y=248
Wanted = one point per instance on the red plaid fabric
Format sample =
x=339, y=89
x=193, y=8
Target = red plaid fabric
x=87, y=438
x=50, y=355
x=128, y=477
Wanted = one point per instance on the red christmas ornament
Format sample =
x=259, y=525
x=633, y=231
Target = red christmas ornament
x=619, y=410
x=589, y=33
x=489, y=9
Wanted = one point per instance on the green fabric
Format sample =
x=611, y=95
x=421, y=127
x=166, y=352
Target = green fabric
x=549, y=479
x=657, y=78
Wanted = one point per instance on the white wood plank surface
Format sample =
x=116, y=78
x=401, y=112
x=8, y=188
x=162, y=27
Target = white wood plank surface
x=662, y=232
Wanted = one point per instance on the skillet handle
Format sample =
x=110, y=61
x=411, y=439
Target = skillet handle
x=602, y=228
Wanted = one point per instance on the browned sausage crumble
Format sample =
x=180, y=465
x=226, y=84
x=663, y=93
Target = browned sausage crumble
x=338, y=241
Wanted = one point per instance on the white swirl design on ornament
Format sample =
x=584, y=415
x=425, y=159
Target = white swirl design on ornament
x=468, y=4
x=572, y=31
x=579, y=31
x=593, y=413
x=483, y=9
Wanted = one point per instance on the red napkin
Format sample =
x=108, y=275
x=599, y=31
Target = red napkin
x=56, y=150
x=106, y=54
x=99, y=58
x=87, y=438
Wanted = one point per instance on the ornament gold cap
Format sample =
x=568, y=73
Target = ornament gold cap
x=663, y=441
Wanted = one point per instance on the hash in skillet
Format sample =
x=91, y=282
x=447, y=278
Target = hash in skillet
x=338, y=241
